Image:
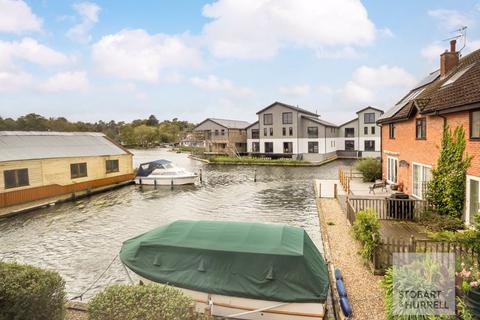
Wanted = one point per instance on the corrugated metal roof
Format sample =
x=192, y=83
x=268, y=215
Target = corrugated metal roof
x=26, y=145
x=231, y=124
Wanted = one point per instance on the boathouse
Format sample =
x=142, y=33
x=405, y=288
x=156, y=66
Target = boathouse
x=45, y=165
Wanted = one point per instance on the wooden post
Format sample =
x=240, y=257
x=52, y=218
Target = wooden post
x=254, y=175
x=155, y=183
x=200, y=174
x=171, y=184
x=335, y=191
x=412, y=243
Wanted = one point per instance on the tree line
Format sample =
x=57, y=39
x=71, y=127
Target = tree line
x=138, y=133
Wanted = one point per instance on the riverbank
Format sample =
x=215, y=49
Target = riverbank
x=341, y=251
x=250, y=161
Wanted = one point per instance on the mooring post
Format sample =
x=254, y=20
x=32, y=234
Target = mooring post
x=171, y=184
x=335, y=191
x=200, y=175
x=255, y=175
x=155, y=183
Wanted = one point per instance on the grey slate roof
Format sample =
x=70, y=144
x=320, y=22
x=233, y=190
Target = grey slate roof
x=301, y=110
x=229, y=124
x=320, y=121
x=27, y=145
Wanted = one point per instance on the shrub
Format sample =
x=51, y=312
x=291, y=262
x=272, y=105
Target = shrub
x=436, y=222
x=370, y=168
x=446, y=190
x=142, y=302
x=366, y=228
x=30, y=293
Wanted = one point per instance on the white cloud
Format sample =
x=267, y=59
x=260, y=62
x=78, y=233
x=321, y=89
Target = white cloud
x=16, y=17
x=371, y=85
x=14, y=80
x=66, y=81
x=433, y=51
x=88, y=13
x=214, y=83
x=451, y=19
x=295, y=90
x=259, y=28
x=137, y=55
x=342, y=53
x=29, y=50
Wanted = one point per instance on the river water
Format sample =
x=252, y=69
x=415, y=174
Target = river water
x=80, y=239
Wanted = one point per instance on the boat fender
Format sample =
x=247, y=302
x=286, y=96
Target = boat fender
x=341, y=288
x=338, y=274
x=346, y=307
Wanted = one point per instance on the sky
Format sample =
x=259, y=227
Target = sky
x=190, y=60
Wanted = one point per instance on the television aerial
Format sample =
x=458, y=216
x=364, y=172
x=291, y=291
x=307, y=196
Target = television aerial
x=461, y=34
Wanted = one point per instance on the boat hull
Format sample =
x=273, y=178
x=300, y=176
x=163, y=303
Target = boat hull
x=227, y=306
x=166, y=181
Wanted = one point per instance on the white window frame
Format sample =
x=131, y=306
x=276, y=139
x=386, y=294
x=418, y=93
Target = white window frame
x=467, y=198
x=422, y=165
x=388, y=170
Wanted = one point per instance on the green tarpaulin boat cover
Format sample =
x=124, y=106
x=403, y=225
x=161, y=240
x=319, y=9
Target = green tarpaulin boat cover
x=252, y=260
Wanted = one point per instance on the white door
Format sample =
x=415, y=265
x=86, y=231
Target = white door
x=473, y=198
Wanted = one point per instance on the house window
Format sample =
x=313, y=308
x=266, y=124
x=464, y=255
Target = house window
x=284, y=131
x=475, y=125
x=312, y=132
x=255, y=146
x=271, y=131
x=369, y=118
x=421, y=176
x=268, y=119
x=255, y=134
x=78, y=170
x=268, y=147
x=369, y=145
x=287, y=147
x=349, y=132
x=373, y=130
x=312, y=147
x=216, y=132
x=112, y=166
x=287, y=117
x=290, y=131
x=391, y=130
x=15, y=178
x=349, y=145
x=421, y=128
x=265, y=132
x=222, y=132
x=392, y=169
x=365, y=130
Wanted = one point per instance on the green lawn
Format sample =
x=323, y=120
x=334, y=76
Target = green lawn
x=253, y=160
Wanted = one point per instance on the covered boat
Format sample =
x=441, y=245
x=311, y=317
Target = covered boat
x=245, y=270
x=163, y=172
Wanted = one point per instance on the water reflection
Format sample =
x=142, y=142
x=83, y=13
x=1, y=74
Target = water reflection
x=80, y=239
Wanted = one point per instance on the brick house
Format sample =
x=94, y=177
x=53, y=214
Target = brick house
x=412, y=129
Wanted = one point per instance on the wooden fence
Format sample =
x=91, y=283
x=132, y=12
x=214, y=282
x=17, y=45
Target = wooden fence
x=383, y=256
x=386, y=208
x=43, y=192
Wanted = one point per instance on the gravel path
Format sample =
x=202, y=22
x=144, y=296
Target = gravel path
x=364, y=292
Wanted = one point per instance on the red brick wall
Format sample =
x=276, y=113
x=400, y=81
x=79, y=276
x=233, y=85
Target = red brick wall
x=425, y=151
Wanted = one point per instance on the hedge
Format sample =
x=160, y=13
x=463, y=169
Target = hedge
x=30, y=293
x=142, y=302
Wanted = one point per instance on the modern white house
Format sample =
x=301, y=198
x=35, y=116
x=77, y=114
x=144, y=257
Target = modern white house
x=290, y=131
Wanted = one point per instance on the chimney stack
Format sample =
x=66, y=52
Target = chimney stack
x=449, y=59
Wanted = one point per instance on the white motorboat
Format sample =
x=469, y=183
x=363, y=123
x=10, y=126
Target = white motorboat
x=163, y=173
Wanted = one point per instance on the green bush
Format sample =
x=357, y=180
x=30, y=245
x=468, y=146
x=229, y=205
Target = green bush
x=366, y=228
x=370, y=168
x=139, y=302
x=30, y=293
x=436, y=222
